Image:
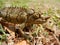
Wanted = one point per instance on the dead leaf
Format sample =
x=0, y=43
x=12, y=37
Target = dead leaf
x=22, y=43
x=12, y=33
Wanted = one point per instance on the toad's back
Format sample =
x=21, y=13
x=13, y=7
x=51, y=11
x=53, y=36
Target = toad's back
x=14, y=14
x=20, y=15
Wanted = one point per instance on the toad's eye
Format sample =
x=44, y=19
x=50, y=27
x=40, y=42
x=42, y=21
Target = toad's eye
x=2, y=14
x=30, y=11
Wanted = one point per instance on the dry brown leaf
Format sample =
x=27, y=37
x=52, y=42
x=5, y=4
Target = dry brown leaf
x=22, y=43
x=12, y=33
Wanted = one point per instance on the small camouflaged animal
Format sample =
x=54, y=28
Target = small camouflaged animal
x=20, y=15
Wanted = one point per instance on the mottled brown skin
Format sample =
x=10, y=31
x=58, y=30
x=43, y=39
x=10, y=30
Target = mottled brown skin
x=14, y=14
x=20, y=15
